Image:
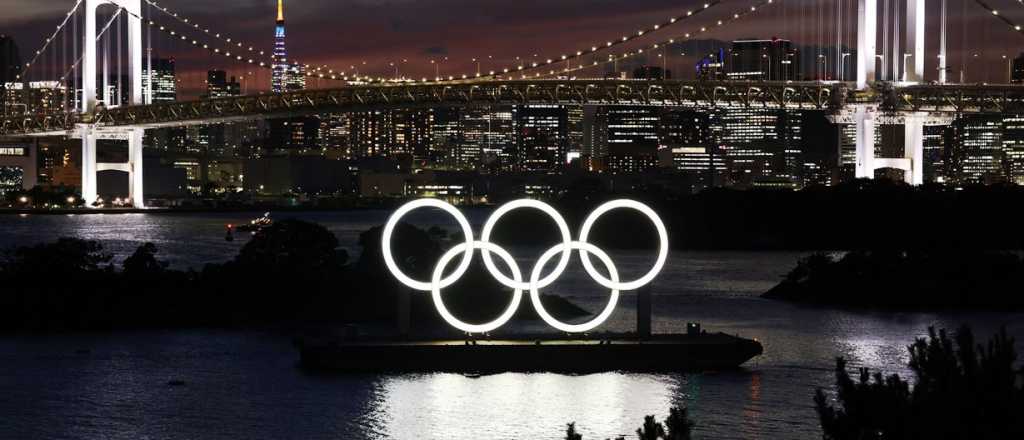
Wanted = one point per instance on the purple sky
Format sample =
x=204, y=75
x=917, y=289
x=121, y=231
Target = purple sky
x=346, y=32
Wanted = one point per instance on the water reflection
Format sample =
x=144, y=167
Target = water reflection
x=445, y=406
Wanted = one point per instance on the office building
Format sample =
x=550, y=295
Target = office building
x=163, y=86
x=771, y=60
x=541, y=137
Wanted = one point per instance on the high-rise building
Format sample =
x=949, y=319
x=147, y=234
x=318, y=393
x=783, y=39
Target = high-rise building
x=336, y=135
x=632, y=138
x=761, y=146
x=651, y=72
x=1013, y=148
x=486, y=137
x=447, y=138
x=163, y=86
x=772, y=60
x=411, y=134
x=977, y=154
x=280, y=68
x=10, y=60
x=685, y=145
x=218, y=85
x=542, y=137
x=38, y=97
x=1017, y=74
x=371, y=133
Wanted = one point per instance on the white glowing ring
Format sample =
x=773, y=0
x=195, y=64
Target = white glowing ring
x=584, y=248
x=389, y=230
x=536, y=280
x=563, y=228
x=662, y=251
x=517, y=295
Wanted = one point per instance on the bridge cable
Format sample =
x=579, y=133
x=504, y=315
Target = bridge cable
x=684, y=37
x=46, y=43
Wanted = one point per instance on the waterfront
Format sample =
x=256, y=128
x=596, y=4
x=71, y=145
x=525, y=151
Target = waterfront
x=245, y=384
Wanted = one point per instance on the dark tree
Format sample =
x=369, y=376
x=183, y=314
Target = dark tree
x=570, y=432
x=293, y=246
x=678, y=425
x=65, y=258
x=962, y=391
x=652, y=429
x=143, y=262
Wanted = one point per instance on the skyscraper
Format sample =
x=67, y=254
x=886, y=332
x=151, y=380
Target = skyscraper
x=10, y=60
x=771, y=60
x=280, y=69
x=164, y=88
x=542, y=137
x=218, y=85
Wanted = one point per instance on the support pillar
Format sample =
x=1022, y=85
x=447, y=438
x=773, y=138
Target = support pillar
x=913, y=149
x=402, y=318
x=865, y=144
x=915, y=40
x=942, y=44
x=643, y=312
x=135, y=188
x=867, y=17
x=88, y=165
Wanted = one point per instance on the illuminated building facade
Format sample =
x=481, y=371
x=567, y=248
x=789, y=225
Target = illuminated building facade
x=762, y=147
x=164, y=87
x=977, y=150
x=541, y=137
x=487, y=137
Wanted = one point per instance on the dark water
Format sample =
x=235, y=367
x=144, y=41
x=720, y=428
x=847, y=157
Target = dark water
x=246, y=385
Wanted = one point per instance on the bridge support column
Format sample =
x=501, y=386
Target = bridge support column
x=867, y=17
x=915, y=40
x=913, y=149
x=865, y=144
x=133, y=13
x=135, y=189
x=89, y=170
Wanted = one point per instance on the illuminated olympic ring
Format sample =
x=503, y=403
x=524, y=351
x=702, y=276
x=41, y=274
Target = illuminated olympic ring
x=537, y=280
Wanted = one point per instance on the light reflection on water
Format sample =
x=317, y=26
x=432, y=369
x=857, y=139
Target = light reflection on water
x=246, y=385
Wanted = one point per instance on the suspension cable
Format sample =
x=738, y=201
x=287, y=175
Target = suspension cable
x=46, y=44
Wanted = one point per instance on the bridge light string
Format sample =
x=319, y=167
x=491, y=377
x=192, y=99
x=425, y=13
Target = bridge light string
x=324, y=72
x=995, y=12
x=654, y=46
x=312, y=71
x=50, y=39
x=588, y=49
x=100, y=34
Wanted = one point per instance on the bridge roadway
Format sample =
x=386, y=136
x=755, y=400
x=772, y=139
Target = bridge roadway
x=697, y=94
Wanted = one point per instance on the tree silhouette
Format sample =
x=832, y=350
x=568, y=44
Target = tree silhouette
x=962, y=391
x=652, y=429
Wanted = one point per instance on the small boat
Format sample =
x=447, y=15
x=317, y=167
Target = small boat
x=230, y=234
x=175, y=383
x=256, y=224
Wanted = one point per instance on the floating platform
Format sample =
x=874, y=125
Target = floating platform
x=608, y=352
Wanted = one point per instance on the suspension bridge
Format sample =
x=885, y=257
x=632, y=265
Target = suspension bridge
x=91, y=59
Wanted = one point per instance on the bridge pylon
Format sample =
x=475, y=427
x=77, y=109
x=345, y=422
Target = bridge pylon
x=89, y=133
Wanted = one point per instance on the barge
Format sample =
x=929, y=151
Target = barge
x=695, y=351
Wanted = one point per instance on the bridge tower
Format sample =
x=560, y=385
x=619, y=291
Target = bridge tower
x=90, y=133
x=865, y=117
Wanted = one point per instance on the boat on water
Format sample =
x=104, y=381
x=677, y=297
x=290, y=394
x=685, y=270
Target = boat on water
x=695, y=351
x=254, y=226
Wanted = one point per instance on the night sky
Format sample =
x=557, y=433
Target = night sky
x=341, y=33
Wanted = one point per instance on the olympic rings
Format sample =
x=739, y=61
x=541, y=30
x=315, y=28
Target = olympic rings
x=536, y=281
